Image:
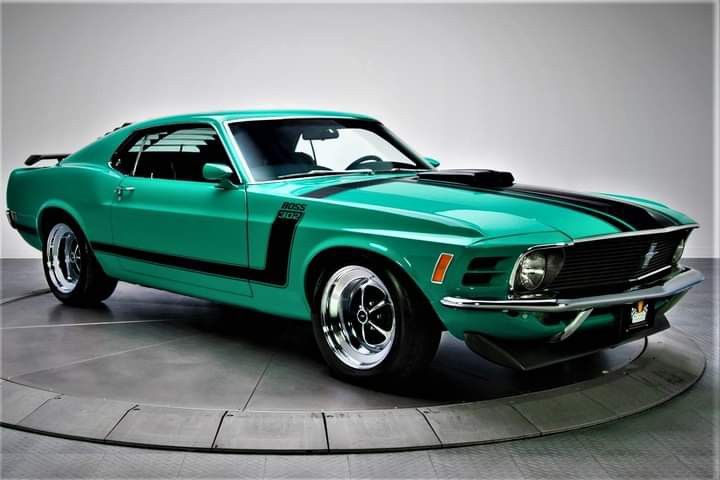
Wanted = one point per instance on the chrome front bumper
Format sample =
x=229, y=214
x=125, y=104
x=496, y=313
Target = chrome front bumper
x=679, y=283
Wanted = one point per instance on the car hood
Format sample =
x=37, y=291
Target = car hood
x=497, y=212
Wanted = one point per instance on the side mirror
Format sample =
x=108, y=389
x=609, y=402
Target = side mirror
x=220, y=174
x=433, y=162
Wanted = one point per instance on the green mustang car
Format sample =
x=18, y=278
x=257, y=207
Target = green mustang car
x=328, y=217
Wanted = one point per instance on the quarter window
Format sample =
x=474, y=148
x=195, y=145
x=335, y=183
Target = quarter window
x=173, y=153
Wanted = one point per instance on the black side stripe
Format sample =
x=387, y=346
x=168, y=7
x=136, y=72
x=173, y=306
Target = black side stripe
x=324, y=192
x=277, y=259
x=639, y=218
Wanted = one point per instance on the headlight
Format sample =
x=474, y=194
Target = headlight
x=679, y=251
x=531, y=272
x=537, y=269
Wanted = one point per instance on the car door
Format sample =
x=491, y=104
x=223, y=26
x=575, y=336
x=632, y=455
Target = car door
x=171, y=227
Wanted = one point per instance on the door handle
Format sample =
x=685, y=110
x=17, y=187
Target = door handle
x=120, y=191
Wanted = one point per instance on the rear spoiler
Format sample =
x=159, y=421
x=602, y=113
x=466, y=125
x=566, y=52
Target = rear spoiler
x=33, y=159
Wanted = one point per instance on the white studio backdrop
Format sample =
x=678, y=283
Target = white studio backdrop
x=609, y=98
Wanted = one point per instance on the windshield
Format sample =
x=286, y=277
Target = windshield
x=276, y=149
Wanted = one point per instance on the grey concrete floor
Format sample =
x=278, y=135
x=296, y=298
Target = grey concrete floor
x=203, y=355
x=676, y=440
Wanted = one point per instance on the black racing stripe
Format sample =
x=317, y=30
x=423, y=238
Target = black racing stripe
x=324, y=192
x=622, y=226
x=277, y=259
x=615, y=222
x=638, y=217
x=25, y=229
x=203, y=266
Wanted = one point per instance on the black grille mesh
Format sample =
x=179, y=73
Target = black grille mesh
x=614, y=261
x=482, y=270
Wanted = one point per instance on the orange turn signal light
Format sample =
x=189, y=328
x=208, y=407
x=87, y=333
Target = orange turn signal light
x=441, y=267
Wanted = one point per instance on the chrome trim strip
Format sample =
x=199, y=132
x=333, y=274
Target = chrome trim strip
x=650, y=274
x=572, y=326
x=638, y=233
x=677, y=284
x=513, y=272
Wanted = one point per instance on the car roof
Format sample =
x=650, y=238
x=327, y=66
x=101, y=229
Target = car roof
x=232, y=115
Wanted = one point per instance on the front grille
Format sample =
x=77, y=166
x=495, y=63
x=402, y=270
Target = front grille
x=614, y=261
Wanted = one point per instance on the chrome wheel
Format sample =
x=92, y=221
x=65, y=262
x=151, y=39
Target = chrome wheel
x=357, y=317
x=64, y=260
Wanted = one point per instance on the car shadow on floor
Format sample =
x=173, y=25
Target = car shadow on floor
x=274, y=360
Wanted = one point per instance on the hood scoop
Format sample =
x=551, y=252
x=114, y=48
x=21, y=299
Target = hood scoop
x=472, y=178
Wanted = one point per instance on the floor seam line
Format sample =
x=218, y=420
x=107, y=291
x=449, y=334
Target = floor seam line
x=35, y=293
x=37, y=408
x=327, y=434
x=181, y=466
x=257, y=384
x=422, y=414
x=600, y=464
x=432, y=464
x=532, y=424
x=120, y=420
x=84, y=324
x=511, y=454
x=101, y=357
x=217, y=431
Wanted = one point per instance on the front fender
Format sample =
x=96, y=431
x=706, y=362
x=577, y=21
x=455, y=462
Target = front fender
x=378, y=247
x=415, y=257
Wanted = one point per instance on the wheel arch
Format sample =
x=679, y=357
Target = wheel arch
x=54, y=211
x=326, y=257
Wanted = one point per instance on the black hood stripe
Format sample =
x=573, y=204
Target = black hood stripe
x=620, y=225
x=624, y=216
x=636, y=216
x=615, y=222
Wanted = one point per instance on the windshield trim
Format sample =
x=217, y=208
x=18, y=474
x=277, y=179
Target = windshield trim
x=246, y=168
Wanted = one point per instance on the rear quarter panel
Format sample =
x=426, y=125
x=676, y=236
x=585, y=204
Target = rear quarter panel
x=81, y=187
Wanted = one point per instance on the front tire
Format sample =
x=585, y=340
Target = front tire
x=368, y=326
x=71, y=269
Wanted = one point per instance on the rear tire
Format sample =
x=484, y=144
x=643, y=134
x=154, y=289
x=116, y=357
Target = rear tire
x=72, y=272
x=369, y=326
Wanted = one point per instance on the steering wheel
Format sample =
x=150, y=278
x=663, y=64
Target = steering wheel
x=361, y=160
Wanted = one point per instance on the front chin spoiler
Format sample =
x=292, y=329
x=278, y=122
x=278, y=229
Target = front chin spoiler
x=529, y=355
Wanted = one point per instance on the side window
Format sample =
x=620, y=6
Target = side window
x=173, y=154
x=124, y=159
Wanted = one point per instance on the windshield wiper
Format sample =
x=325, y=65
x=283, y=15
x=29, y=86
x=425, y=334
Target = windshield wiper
x=320, y=173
